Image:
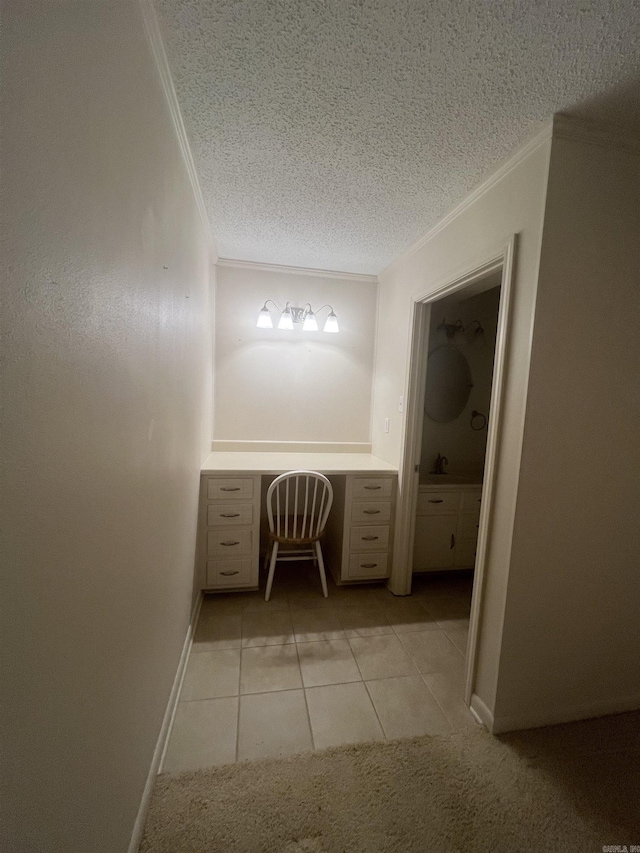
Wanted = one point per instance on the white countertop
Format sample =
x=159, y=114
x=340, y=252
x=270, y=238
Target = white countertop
x=276, y=463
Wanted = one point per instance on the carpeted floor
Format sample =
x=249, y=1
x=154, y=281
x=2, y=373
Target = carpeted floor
x=565, y=788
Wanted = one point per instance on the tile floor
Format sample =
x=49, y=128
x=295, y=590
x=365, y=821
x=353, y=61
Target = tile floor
x=302, y=672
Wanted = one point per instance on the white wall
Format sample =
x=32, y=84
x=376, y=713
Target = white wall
x=106, y=416
x=274, y=385
x=572, y=633
x=512, y=203
x=463, y=446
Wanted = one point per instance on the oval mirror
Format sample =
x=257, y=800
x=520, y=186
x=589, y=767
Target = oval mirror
x=448, y=384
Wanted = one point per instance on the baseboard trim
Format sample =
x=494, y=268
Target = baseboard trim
x=567, y=714
x=165, y=731
x=290, y=446
x=481, y=713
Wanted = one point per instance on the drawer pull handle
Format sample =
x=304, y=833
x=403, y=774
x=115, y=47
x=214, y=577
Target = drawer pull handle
x=434, y=501
x=229, y=544
x=371, y=511
x=369, y=538
x=453, y=540
x=373, y=488
x=229, y=488
x=228, y=574
x=368, y=565
x=229, y=514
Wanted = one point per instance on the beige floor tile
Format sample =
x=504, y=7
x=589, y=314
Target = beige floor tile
x=445, y=608
x=217, y=630
x=381, y=657
x=307, y=598
x=210, y=675
x=271, y=628
x=342, y=713
x=406, y=707
x=364, y=621
x=383, y=595
x=222, y=602
x=448, y=689
x=316, y=624
x=327, y=662
x=267, y=668
x=408, y=614
x=457, y=630
x=354, y=596
x=204, y=734
x=453, y=624
x=432, y=651
x=254, y=602
x=273, y=725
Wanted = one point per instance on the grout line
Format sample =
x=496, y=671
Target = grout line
x=375, y=710
x=238, y=714
x=306, y=704
x=444, y=713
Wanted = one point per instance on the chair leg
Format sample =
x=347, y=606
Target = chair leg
x=323, y=578
x=272, y=571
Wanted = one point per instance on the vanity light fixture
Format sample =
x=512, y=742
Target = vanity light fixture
x=290, y=315
x=456, y=331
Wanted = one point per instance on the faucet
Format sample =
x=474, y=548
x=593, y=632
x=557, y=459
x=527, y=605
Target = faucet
x=441, y=461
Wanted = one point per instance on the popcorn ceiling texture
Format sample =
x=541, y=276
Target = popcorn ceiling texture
x=332, y=133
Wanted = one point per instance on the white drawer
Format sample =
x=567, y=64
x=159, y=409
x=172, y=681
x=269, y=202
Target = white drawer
x=374, y=538
x=438, y=503
x=226, y=515
x=371, y=511
x=468, y=526
x=228, y=573
x=471, y=501
x=368, y=566
x=372, y=487
x=229, y=489
x=228, y=542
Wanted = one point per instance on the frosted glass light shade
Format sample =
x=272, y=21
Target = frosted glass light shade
x=332, y=324
x=286, y=321
x=310, y=323
x=264, y=319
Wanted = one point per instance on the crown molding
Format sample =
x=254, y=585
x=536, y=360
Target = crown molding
x=495, y=177
x=156, y=43
x=593, y=133
x=277, y=268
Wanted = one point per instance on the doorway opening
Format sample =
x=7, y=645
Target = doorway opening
x=448, y=468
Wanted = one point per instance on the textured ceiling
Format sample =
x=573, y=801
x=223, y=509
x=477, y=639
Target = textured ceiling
x=332, y=133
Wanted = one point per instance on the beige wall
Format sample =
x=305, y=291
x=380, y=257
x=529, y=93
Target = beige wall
x=572, y=634
x=274, y=385
x=512, y=204
x=105, y=419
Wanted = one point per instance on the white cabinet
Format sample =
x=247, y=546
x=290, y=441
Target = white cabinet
x=446, y=527
x=359, y=536
x=229, y=532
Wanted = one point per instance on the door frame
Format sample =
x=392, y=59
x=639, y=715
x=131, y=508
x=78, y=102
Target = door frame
x=400, y=584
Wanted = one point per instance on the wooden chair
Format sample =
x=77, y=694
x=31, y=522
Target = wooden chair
x=298, y=505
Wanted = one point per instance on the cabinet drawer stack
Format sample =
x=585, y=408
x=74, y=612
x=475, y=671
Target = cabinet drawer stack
x=230, y=532
x=360, y=530
x=446, y=528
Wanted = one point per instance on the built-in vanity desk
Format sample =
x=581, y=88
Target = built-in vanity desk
x=359, y=535
x=447, y=521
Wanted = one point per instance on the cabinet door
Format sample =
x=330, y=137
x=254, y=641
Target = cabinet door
x=434, y=543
